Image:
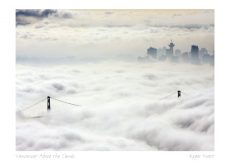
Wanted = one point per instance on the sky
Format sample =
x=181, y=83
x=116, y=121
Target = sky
x=104, y=35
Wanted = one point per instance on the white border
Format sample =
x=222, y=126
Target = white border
x=222, y=83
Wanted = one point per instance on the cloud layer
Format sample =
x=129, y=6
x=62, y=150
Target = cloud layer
x=124, y=106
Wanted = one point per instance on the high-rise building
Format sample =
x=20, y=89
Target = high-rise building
x=152, y=52
x=194, y=54
x=194, y=51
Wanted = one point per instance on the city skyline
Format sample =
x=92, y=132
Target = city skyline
x=95, y=35
x=195, y=55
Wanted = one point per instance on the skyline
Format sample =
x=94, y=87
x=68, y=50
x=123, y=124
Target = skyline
x=195, y=55
x=94, y=35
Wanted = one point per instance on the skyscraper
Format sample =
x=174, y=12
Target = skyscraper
x=194, y=54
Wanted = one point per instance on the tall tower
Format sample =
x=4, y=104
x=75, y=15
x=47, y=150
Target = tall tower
x=171, y=45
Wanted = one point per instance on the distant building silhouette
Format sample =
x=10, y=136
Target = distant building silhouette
x=195, y=51
x=194, y=54
x=184, y=57
x=212, y=58
x=152, y=52
x=161, y=54
x=177, y=52
x=203, y=51
x=168, y=52
x=171, y=45
x=177, y=57
x=206, y=58
x=143, y=59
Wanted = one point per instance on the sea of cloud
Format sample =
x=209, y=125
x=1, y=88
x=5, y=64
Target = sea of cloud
x=123, y=106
